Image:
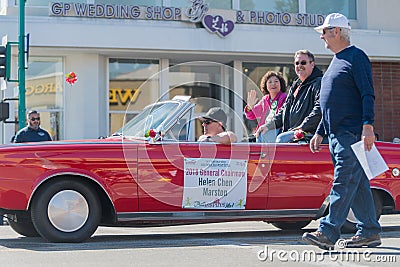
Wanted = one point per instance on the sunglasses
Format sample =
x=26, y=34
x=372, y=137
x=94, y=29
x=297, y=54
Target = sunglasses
x=35, y=119
x=207, y=121
x=303, y=62
x=327, y=29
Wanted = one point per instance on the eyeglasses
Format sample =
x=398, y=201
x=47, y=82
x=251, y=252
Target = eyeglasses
x=35, y=119
x=327, y=29
x=207, y=121
x=303, y=62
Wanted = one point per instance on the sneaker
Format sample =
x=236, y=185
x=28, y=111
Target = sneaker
x=317, y=238
x=359, y=241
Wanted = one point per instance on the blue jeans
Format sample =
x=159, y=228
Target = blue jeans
x=350, y=189
x=285, y=137
x=268, y=137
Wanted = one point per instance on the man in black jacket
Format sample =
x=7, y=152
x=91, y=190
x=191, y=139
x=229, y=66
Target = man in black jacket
x=301, y=111
x=32, y=132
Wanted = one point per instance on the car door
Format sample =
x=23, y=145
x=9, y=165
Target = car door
x=299, y=179
x=163, y=168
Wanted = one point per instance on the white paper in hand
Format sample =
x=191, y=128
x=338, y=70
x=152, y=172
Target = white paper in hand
x=371, y=161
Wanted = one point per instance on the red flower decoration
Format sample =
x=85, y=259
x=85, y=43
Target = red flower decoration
x=298, y=135
x=71, y=78
x=150, y=133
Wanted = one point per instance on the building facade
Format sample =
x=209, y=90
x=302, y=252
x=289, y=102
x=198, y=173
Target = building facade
x=128, y=54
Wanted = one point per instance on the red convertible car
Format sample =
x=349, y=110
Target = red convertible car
x=152, y=172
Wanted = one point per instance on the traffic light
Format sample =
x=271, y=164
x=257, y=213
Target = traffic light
x=3, y=62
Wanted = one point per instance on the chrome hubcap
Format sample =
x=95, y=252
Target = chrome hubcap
x=68, y=210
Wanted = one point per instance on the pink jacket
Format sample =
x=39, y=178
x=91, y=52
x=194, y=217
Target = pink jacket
x=261, y=109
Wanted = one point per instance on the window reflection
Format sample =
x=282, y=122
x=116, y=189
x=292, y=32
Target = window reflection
x=346, y=7
x=204, y=81
x=45, y=3
x=133, y=85
x=213, y=4
x=44, y=92
x=130, y=2
x=180, y=130
x=291, y=6
x=198, y=80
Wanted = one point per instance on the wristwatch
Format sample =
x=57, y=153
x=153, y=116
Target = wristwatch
x=209, y=138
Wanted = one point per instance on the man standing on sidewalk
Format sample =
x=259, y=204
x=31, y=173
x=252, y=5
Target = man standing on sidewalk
x=347, y=104
x=32, y=132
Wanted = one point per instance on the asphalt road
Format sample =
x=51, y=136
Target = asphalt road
x=222, y=244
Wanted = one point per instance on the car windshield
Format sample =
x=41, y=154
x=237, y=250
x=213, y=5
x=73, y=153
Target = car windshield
x=150, y=118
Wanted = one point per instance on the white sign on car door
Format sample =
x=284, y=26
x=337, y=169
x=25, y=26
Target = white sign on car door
x=214, y=183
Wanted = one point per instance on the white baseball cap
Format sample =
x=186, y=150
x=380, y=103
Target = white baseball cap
x=334, y=20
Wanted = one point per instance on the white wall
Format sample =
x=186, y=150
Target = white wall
x=383, y=15
x=85, y=101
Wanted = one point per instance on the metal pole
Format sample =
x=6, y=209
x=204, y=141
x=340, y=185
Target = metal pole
x=21, y=66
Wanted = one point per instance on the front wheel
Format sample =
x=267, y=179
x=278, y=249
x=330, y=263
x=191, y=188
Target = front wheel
x=23, y=225
x=66, y=211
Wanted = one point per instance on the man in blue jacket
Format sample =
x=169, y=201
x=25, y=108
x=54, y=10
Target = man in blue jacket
x=347, y=104
x=32, y=132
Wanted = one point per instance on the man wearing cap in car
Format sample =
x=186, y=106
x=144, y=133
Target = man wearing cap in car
x=214, y=123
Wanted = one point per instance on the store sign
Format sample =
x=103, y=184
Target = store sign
x=117, y=96
x=114, y=11
x=197, y=10
x=220, y=22
x=43, y=88
x=216, y=24
x=120, y=96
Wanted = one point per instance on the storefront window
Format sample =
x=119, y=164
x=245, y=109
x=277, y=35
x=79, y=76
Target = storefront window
x=130, y=2
x=208, y=82
x=44, y=92
x=45, y=3
x=133, y=85
x=291, y=6
x=212, y=4
x=346, y=7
